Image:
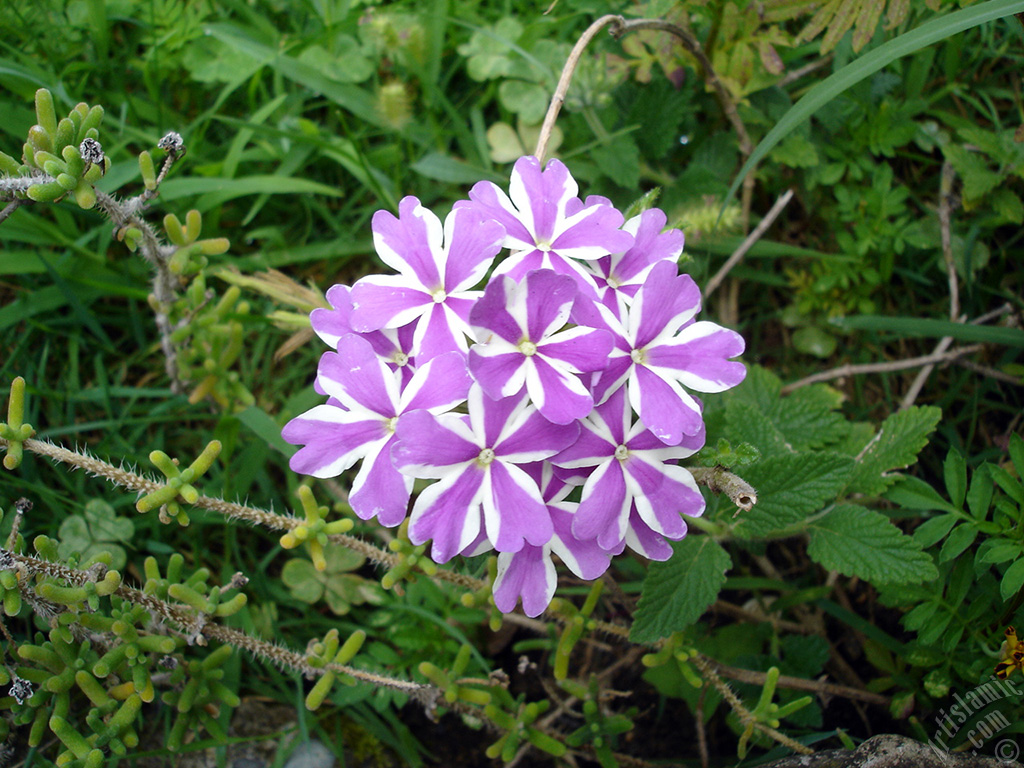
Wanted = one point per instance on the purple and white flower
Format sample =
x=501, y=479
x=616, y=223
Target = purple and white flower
x=393, y=345
x=620, y=275
x=372, y=401
x=659, y=350
x=476, y=458
x=530, y=573
x=522, y=344
x=547, y=226
x=436, y=272
x=631, y=466
x=576, y=364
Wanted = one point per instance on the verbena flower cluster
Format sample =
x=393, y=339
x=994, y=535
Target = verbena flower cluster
x=571, y=369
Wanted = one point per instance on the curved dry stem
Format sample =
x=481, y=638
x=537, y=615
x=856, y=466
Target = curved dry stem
x=558, y=97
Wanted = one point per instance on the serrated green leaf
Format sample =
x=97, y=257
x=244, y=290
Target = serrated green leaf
x=620, y=161
x=933, y=531
x=857, y=541
x=900, y=439
x=973, y=169
x=807, y=418
x=677, y=591
x=761, y=388
x=790, y=488
x=1012, y=581
x=959, y=539
x=933, y=631
x=747, y=423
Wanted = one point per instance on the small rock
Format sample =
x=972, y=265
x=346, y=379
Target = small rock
x=311, y=754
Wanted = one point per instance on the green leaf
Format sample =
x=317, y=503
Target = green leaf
x=1001, y=553
x=979, y=495
x=761, y=388
x=900, y=439
x=857, y=541
x=933, y=531
x=913, y=493
x=749, y=424
x=439, y=167
x=808, y=417
x=678, y=591
x=1017, y=453
x=918, y=327
x=304, y=581
x=1012, y=581
x=620, y=161
x=955, y=472
x=105, y=524
x=828, y=89
x=790, y=488
x=262, y=424
x=959, y=539
x=1010, y=485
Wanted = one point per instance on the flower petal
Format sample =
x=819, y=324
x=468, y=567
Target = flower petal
x=498, y=368
x=585, y=558
x=559, y=396
x=514, y=512
x=664, y=408
x=663, y=305
x=490, y=314
x=579, y=349
x=429, y=446
x=472, y=240
x=386, y=301
x=440, y=384
x=548, y=297
x=379, y=490
x=698, y=357
x=528, y=573
x=358, y=378
x=334, y=440
x=604, y=507
x=411, y=243
x=531, y=437
x=449, y=513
